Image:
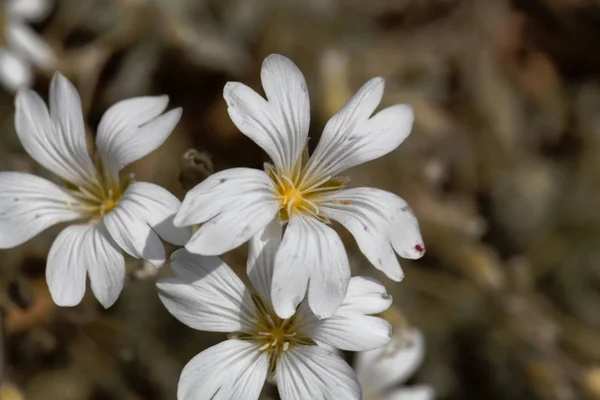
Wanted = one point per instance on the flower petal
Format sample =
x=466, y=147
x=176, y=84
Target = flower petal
x=15, y=73
x=365, y=295
x=353, y=137
x=420, y=392
x=27, y=43
x=158, y=208
x=66, y=266
x=30, y=10
x=66, y=113
x=206, y=294
x=128, y=227
x=233, y=369
x=349, y=328
x=390, y=365
x=291, y=272
x=57, y=143
x=79, y=248
x=350, y=331
x=29, y=205
x=106, y=266
x=381, y=222
x=310, y=372
x=133, y=128
x=310, y=250
x=279, y=124
x=261, y=258
x=234, y=205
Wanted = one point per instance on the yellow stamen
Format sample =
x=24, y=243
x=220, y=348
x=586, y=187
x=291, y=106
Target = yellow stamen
x=299, y=195
x=103, y=198
x=272, y=334
x=107, y=206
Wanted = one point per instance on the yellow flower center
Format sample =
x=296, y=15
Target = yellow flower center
x=108, y=205
x=296, y=196
x=273, y=334
x=98, y=198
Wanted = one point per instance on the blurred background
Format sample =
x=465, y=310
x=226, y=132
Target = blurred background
x=502, y=170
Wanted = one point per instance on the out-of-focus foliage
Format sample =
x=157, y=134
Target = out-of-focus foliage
x=502, y=170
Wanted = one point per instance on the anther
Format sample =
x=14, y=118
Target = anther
x=286, y=346
x=264, y=347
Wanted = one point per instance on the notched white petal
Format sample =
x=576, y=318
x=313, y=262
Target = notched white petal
x=133, y=128
x=79, y=249
x=279, y=124
x=311, y=256
x=351, y=328
x=381, y=223
x=353, y=137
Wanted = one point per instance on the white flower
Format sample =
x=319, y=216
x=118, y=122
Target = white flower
x=306, y=193
x=114, y=215
x=21, y=46
x=206, y=294
x=380, y=370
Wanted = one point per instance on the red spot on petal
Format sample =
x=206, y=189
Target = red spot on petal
x=419, y=248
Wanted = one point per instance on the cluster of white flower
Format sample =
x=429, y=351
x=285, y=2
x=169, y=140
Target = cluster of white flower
x=301, y=304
